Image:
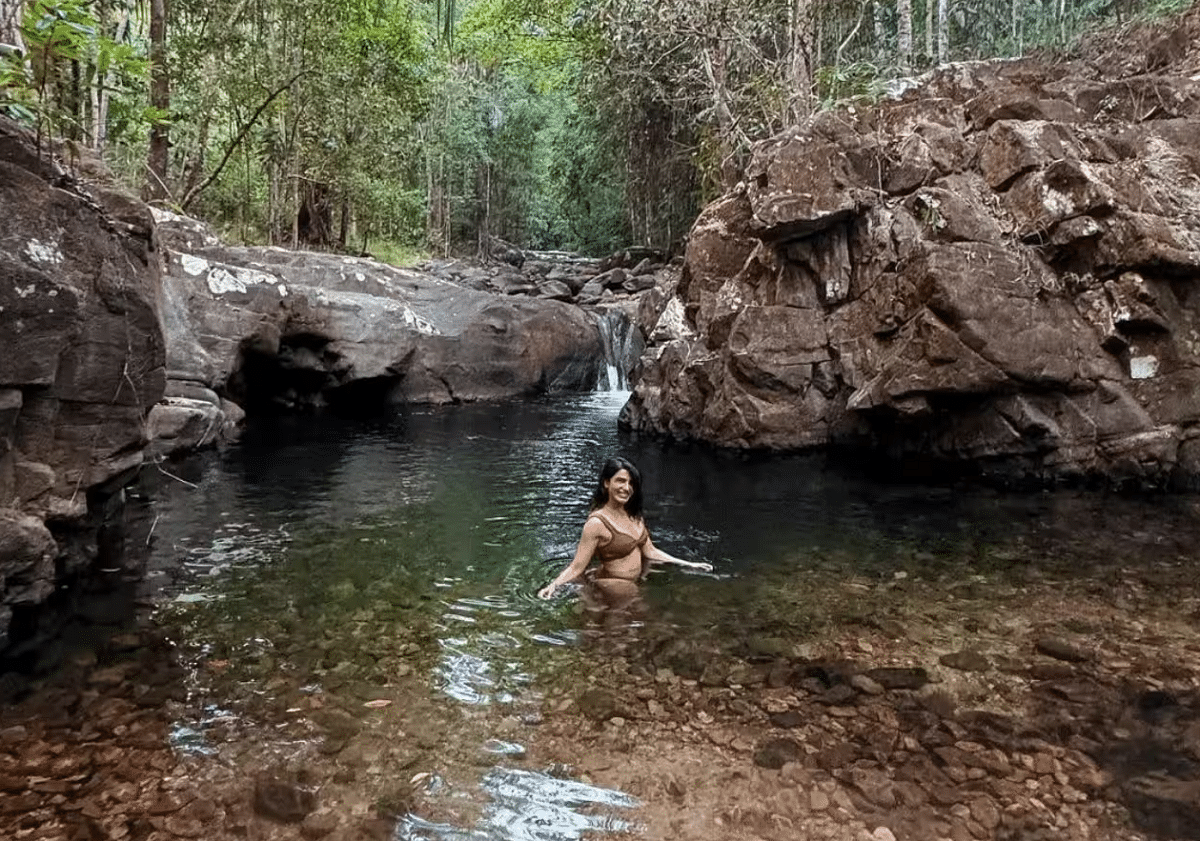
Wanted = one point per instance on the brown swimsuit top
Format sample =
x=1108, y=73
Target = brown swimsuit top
x=621, y=543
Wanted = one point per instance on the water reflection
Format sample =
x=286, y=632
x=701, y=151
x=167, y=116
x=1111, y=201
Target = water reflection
x=480, y=669
x=530, y=806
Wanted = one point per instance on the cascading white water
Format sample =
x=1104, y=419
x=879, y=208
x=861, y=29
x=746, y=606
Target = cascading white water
x=613, y=379
x=620, y=350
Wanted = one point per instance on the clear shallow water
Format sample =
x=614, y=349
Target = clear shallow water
x=340, y=556
x=529, y=806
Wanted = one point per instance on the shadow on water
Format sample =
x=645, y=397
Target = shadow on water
x=336, y=557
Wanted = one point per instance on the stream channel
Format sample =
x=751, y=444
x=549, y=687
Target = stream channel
x=360, y=594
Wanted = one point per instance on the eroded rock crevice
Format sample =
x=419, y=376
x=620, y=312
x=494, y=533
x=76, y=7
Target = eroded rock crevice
x=296, y=374
x=991, y=271
x=275, y=330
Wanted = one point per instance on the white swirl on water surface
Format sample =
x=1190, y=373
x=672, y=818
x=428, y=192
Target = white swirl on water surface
x=530, y=806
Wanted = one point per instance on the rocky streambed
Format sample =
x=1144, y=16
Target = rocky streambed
x=922, y=711
x=1017, y=700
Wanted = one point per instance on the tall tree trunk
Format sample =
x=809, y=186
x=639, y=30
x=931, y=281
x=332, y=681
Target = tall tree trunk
x=74, y=101
x=800, y=98
x=943, y=20
x=929, y=53
x=434, y=205
x=344, y=225
x=904, y=34
x=817, y=54
x=715, y=59
x=447, y=206
x=97, y=111
x=297, y=203
x=195, y=165
x=483, y=206
x=877, y=28
x=1016, y=27
x=10, y=23
x=158, y=158
x=274, y=204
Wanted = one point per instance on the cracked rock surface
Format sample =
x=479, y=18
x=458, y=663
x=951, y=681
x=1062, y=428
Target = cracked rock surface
x=993, y=271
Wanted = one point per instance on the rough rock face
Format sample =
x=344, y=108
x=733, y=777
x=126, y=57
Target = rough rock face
x=265, y=325
x=82, y=363
x=997, y=268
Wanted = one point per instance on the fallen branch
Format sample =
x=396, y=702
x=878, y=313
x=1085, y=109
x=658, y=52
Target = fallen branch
x=152, y=525
x=168, y=473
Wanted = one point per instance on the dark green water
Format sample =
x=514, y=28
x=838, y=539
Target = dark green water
x=336, y=556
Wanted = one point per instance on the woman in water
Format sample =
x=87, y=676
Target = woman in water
x=616, y=536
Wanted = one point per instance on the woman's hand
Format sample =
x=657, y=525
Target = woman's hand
x=703, y=567
x=593, y=530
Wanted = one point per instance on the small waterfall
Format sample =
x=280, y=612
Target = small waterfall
x=622, y=347
x=613, y=381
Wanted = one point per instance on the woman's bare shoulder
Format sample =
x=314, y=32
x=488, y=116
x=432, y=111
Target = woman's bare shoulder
x=595, y=526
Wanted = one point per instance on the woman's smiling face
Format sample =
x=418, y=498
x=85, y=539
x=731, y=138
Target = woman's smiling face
x=619, y=487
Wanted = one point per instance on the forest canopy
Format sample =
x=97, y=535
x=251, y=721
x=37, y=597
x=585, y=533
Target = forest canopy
x=413, y=126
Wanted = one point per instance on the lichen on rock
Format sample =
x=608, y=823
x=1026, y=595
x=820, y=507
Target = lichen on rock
x=83, y=364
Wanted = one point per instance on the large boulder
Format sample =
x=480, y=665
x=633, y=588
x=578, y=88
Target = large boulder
x=994, y=270
x=83, y=362
x=269, y=326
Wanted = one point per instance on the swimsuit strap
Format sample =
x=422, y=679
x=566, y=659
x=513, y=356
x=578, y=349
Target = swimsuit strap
x=604, y=522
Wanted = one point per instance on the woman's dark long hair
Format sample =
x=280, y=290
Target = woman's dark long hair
x=600, y=496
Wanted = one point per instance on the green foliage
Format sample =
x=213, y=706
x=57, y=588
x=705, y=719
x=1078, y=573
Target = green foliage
x=386, y=212
x=1165, y=8
x=18, y=97
x=508, y=156
x=685, y=86
x=314, y=106
x=64, y=30
x=69, y=63
x=589, y=186
x=380, y=125
x=859, y=80
x=399, y=254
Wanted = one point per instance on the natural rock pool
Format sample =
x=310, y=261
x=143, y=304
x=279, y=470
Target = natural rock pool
x=345, y=642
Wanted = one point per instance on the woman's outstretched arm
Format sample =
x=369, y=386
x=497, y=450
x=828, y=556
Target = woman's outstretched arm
x=593, y=530
x=657, y=556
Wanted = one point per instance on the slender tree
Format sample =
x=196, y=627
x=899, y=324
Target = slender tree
x=904, y=35
x=800, y=100
x=943, y=38
x=10, y=23
x=158, y=157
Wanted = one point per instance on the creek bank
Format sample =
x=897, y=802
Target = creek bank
x=261, y=328
x=83, y=364
x=1023, y=705
x=134, y=335
x=992, y=271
